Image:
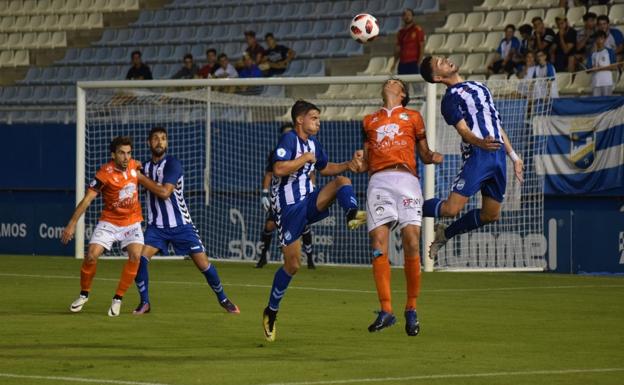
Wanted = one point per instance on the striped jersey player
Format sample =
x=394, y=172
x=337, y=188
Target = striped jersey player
x=469, y=107
x=169, y=221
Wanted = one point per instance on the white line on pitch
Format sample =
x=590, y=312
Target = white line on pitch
x=448, y=376
x=76, y=379
x=330, y=289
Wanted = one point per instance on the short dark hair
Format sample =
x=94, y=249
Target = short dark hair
x=269, y=35
x=604, y=18
x=137, y=52
x=513, y=27
x=301, y=107
x=426, y=70
x=211, y=50
x=223, y=55
x=410, y=10
x=525, y=29
x=188, y=56
x=120, y=141
x=600, y=33
x=589, y=15
x=536, y=18
x=155, y=130
x=250, y=33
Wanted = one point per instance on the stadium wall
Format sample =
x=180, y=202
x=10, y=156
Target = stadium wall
x=585, y=234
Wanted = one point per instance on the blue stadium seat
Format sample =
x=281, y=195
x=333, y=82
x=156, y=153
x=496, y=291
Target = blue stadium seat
x=207, y=14
x=300, y=47
x=62, y=75
x=171, y=36
x=315, y=68
x=79, y=74
x=198, y=52
x=273, y=91
x=179, y=52
x=281, y=30
x=430, y=6
x=40, y=95
x=174, y=17
x=70, y=94
x=165, y=53
x=139, y=36
x=154, y=35
x=150, y=53
x=334, y=48
x=32, y=76
x=111, y=73
x=358, y=6
x=118, y=55
x=94, y=73
x=389, y=25
x=340, y=9
x=145, y=18
x=322, y=10
x=288, y=11
x=50, y=116
x=294, y=68
x=316, y=48
x=306, y=10
x=320, y=28
x=353, y=48
x=124, y=36
x=8, y=94
x=305, y=29
x=108, y=37
x=159, y=71
x=71, y=56
x=392, y=7
x=376, y=7
x=160, y=18
x=101, y=54
x=24, y=94
x=241, y=14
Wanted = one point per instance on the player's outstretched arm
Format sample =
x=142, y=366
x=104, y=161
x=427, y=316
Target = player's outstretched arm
x=489, y=143
x=161, y=191
x=287, y=167
x=518, y=163
x=68, y=231
x=425, y=153
x=354, y=165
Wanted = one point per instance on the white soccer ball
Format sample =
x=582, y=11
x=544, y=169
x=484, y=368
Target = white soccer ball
x=364, y=28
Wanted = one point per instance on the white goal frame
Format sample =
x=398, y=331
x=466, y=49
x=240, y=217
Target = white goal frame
x=430, y=112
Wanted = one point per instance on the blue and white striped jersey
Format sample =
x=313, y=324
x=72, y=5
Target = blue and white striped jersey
x=295, y=187
x=170, y=212
x=473, y=102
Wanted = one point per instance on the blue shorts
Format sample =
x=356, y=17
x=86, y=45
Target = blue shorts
x=483, y=170
x=185, y=239
x=292, y=219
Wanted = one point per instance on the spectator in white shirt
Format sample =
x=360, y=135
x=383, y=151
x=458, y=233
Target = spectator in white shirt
x=226, y=70
x=601, y=63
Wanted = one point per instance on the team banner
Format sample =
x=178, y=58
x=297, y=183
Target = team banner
x=584, y=146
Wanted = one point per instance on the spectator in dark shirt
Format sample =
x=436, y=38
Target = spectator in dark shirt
x=139, y=70
x=189, y=69
x=564, y=47
x=211, y=64
x=543, y=38
x=276, y=57
x=585, y=37
x=253, y=49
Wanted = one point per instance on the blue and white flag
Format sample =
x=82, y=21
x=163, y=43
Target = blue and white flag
x=584, y=147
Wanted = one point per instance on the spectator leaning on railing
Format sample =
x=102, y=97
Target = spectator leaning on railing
x=189, y=69
x=139, y=70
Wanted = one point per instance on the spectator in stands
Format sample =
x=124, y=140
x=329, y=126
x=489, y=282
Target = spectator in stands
x=542, y=38
x=585, y=37
x=409, y=45
x=614, y=39
x=543, y=69
x=276, y=57
x=250, y=69
x=225, y=70
x=139, y=70
x=253, y=49
x=503, y=59
x=601, y=63
x=526, y=31
x=189, y=69
x=529, y=61
x=564, y=47
x=211, y=64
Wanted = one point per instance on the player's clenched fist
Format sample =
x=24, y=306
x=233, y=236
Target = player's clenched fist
x=311, y=158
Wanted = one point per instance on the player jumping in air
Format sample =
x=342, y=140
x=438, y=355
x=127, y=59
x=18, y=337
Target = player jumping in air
x=469, y=107
x=391, y=137
x=169, y=221
x=297, y=203
x=120, y=221
x=269, y=223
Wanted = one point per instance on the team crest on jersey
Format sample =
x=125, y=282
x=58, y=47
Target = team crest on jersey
x=387, y=131
x=127, y=192
x=379, y=210
x=460, y=184
x=582, y=142
x=287, y=235
x=403, y=116
x=281, y=152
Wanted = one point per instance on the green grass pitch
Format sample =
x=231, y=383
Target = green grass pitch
x=477, y=328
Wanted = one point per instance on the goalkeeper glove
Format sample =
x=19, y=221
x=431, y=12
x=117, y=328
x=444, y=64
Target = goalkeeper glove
x=264, y=200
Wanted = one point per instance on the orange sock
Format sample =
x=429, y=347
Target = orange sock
x=412, y=280
x=127, y=277
x=381, y=272
x=87, y=272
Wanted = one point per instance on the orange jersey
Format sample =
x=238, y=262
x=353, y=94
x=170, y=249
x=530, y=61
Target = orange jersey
x=120, y=193
x=390, y=138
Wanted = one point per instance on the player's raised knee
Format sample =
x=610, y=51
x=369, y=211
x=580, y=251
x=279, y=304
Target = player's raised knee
x=487, y=217
x=342, y=181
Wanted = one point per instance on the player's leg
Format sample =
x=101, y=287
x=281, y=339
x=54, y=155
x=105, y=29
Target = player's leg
x=87, y=272
x=381, y=272
x=128, y=273
x=341, y=190
x=281, y=280
x=142, y=277
x=306, y=240
x=212, y=277
x=410, y=235
x=267, y=236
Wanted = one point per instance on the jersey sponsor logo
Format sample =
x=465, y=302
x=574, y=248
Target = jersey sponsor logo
x=387, y=131
x=126, y=196
x=410, y=203
x=281, y=152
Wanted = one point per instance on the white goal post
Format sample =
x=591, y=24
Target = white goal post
x=213, y=121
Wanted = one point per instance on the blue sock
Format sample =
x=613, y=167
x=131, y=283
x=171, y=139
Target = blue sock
x=280, y=284
x=469, y=221
x=346, y=198
x=431, y=207
x=215, y=283
x=142, y=280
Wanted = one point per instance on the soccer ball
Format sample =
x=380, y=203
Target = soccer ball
x=364, y=28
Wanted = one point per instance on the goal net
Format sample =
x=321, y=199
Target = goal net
x=223, y=139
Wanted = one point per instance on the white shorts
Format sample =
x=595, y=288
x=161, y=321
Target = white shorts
x=105, y=234
x=393, y=196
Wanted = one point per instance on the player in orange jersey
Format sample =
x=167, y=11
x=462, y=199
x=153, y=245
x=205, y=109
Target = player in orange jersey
x=120, y=221
x=392, y=136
